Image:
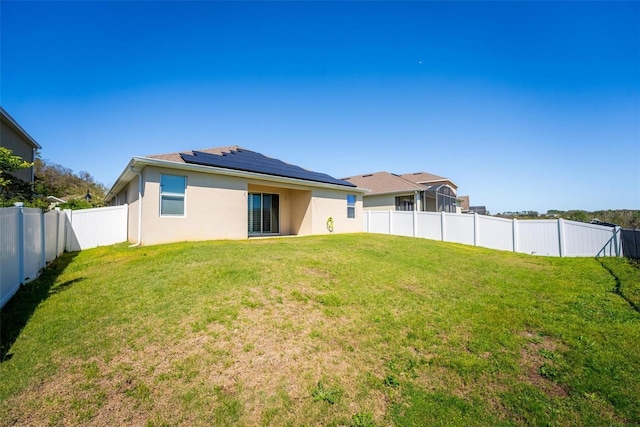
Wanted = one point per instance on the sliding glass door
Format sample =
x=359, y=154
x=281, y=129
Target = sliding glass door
x=264, y=213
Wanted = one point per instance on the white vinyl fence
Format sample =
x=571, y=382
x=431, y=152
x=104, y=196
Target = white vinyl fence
x=30, y=239
x=556, y=237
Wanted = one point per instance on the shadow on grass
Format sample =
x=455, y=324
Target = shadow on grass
x=19, y=309
x=630, y=294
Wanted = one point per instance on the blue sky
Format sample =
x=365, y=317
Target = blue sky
x=524, y=105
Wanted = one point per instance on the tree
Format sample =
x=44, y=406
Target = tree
x=59, y=181
x=10, y=163
x=13, y=189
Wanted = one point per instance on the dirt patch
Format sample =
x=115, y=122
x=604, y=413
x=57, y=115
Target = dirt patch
x=268, y=360
x=287, y=348
x=538, y=358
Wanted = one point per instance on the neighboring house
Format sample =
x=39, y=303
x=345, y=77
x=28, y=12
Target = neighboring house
x=16, y=139
x=480, y=210
x=419, y=191
x=464, y=203
x=231, y=193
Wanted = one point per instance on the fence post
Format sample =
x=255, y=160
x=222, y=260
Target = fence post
x=368, y=221
x=43, y=244
x=442, y=224
x=415, y=223
x=68, y=213
x=390, y=222
x=561, y=237
x=21, y=240
x=57, y=211
x=615, y=240
x=476, y=229
x=515, y=235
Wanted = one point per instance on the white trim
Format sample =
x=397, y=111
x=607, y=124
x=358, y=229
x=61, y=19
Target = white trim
x=355, y=204
x=183, y=195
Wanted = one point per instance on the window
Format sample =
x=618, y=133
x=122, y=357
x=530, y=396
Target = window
x=172, y=190
x=351, y=206
x=404, y=203
x=264, y=213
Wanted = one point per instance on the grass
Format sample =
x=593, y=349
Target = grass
x=345, y=330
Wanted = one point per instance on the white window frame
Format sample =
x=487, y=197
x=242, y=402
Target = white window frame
x=352, y=206
x=183, y=195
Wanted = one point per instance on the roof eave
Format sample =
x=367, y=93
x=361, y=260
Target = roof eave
x=17, y=128
x=387, y=193
x=139, y=163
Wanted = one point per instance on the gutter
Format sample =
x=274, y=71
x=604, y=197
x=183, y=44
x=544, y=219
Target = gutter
x=139, y=174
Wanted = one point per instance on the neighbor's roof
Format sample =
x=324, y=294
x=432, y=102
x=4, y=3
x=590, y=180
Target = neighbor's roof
x=426, y=178
x=384, y=183
x=231, y=160
x=10, y=121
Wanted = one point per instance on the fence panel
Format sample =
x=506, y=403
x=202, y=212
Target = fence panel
x=582, y=239
x=379, y=222
x=402, y=223
x=9, y=253
x=535, y=237
x=495, y=233
x=538, y=237
x=429, y=225
x=51, y=231
x=62, y=233
x=631, y=243
x=33, y=248
x=458, y=228
x=90, y=228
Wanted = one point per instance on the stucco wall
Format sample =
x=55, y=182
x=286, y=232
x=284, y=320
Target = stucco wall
x=215, y=208
x=327, y=203
x=301, y=212
x=130, y=196
x=18, y=145
x=383, y=202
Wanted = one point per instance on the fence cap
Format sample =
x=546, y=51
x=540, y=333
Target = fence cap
x=18, y=204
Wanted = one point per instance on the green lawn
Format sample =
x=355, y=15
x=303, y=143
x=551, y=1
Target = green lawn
x=344, y=330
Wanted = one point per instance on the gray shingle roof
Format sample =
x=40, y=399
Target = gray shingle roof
x=384, y=182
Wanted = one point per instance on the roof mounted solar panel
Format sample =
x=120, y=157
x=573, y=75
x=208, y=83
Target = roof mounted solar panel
x=250, y=161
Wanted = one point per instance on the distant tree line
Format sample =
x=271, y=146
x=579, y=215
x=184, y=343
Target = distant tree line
x=625, y=218
x=79, y=191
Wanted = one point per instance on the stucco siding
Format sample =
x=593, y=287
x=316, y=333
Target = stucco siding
x=14, y=142
x=333, y=203
x=383, y=202
x=215, y=208
x=301, y=212
x=130, y=196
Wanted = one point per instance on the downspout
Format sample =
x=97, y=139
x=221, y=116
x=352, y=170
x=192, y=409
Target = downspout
x=139, y=174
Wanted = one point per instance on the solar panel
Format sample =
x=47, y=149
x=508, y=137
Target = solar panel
x=250, y=161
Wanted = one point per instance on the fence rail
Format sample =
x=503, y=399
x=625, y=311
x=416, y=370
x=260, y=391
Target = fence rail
x=30, y=239
x=556, y=237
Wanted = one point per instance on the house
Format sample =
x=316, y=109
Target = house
x=418, y=191
x=16, y=139
x=464, y=203
x=480, y=210
x=231, y=193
